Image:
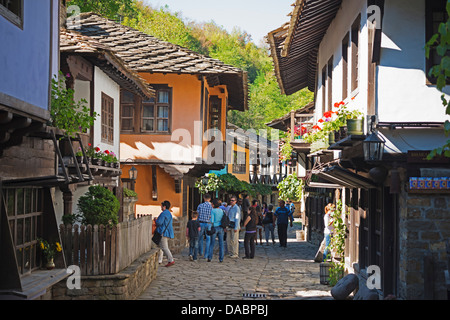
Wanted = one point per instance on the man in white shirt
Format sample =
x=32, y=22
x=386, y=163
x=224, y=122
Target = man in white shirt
x=234, y=214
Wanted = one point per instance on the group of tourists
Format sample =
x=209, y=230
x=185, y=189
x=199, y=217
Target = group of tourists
x=215, y=219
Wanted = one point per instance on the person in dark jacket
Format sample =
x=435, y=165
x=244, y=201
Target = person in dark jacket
x=250, y=225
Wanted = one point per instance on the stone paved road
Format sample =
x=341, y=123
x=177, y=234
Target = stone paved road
x=275, y=273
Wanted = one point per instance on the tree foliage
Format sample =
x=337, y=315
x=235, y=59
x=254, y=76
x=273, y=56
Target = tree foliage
x=441, y=43
x=234, y=48
x=291, y=188
x=111, y=9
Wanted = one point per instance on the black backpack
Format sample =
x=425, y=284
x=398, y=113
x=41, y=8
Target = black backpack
x=225, y=220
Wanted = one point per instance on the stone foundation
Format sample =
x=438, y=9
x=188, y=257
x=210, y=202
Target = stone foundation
x=424, y=227
x=125, y=285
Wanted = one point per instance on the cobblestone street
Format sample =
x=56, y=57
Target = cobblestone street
x=275, y=273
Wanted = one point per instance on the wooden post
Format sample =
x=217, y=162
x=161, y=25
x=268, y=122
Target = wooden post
x=292, y=125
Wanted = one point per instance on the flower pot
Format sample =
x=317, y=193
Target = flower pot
x=355, y=126
x=97, y=162
x=319, y=145
x=50, y=264
x=331, y=138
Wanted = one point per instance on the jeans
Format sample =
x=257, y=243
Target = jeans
x=203, y=227
x=282, y=234
x=269, y=230
x=219, y=234
x=193, y=247
x=249, y=244
x=327, y=243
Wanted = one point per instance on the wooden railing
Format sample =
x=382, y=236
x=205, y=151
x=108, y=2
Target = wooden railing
x=100, y=250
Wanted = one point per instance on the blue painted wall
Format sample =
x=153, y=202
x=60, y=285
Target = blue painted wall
x=25, y=54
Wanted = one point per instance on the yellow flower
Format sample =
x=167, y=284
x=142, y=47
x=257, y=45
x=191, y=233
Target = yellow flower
x=58, y=247
x=42, y=246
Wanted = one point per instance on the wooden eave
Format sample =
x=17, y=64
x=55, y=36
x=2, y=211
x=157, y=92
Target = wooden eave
x=295, y=52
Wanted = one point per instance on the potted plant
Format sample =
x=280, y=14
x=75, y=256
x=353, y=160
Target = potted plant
x=99, y=206
x=353, y=119
x=49, y=250
x=97, y=158
x=79, y=155
x=64, y=107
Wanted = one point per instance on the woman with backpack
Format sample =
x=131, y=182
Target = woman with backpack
x=216, y=224
x=250, y=225
x=269, y=224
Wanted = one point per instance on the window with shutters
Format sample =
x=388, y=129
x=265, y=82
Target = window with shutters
x=107, y=119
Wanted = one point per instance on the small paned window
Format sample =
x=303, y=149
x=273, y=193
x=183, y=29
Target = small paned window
x=13, y=11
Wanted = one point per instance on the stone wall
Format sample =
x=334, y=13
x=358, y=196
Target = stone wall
x=177, y=244
x=125, y=285
x=424, y=227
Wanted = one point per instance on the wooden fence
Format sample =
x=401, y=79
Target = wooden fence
x=100, y=250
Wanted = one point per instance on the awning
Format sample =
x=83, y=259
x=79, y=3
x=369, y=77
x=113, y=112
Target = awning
x=345, y=178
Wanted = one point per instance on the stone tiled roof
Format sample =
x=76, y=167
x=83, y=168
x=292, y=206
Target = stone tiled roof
x=294, y=46
x=72, y=42
x=145, y=53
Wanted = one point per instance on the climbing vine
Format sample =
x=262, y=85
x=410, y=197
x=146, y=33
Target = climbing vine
x=337, y=243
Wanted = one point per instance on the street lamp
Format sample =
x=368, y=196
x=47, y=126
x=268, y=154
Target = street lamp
x=373, y=146
x=132, y=173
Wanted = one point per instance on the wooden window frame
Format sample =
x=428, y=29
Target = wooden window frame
x=324, y=88
x=138, y=112
x=107, y=119
x=213, y=101
x=355, y=31
x=28, y=244
x=131, y=105
x=239, y=168
x=156, y=104
x=330, y=83
x=345, y=43
x=14, y=14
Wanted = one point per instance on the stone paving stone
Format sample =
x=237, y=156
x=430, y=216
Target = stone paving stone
x=280, y=273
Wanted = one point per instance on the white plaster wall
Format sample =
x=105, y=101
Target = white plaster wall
x=105, y=84
x=403, y=95
x=402, y=92
x=331, y=45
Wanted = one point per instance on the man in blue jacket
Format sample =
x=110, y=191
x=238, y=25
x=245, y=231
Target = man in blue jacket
x=282, y=215
x=165, y=227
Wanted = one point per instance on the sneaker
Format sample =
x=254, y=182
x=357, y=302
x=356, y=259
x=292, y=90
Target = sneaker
x=191, y=257
x=170, y=264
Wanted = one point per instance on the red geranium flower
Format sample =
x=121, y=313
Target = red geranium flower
x=106, y=151
x=327, y=114
x=320, y=120
x=97, y=149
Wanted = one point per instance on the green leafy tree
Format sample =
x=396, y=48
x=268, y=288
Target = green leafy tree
x=441, y=43
x=111, y=9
